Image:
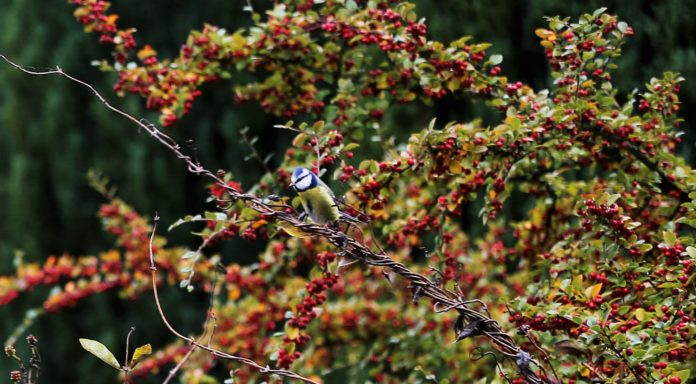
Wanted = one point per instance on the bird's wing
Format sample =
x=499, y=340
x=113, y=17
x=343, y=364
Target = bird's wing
x=343, y=215
x=323, y=184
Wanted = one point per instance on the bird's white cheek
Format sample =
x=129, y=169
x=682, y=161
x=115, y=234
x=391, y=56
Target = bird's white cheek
x=303, y=184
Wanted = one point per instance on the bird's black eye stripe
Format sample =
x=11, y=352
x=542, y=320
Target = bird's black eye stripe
x=294, y=185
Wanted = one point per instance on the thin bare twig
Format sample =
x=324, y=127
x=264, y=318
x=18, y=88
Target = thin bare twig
x=192, y=341
x=126, y=368
x=172, y=373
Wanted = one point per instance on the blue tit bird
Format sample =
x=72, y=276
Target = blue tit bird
x=318, y=201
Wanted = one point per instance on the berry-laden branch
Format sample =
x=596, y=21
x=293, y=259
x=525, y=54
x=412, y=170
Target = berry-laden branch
x=474, y=322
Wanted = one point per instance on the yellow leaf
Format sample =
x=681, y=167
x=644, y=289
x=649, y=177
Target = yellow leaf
x=453, y=84
x=233, y=293
x=259, y=223
x=299, y=139
x=640, y=314
x=238, y=42
x=455, y=167
x=542, y=33
x=139, y=354
x=111, y=19
x=146, y=52
x=410, y=96
x=593, y=291
x=292, y=332
x=546, y=44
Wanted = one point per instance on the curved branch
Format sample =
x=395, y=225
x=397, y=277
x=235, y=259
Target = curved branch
x=195, y=343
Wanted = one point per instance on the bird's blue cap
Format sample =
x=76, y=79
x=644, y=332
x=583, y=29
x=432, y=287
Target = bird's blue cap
x=297, y=172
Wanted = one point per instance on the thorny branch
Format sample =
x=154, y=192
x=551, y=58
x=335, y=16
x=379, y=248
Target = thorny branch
x=440, y=296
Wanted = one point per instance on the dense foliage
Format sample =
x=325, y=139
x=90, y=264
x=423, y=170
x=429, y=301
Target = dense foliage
x=594, y=275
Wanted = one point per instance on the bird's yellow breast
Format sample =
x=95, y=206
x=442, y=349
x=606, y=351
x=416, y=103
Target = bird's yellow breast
x=319, y=205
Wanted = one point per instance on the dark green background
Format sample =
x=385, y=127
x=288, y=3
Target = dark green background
x=52, y=132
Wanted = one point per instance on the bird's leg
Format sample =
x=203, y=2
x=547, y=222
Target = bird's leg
x=341, y=241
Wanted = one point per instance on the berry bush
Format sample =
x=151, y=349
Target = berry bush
x=582, y=270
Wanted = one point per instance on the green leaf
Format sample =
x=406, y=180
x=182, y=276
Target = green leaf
x=351, y=146
x=669, y=285
x=683, y=374
x=691, y=251
x=622, y=26
x=188, y=255
x=186, y=219
x=139, y=354
x=495, y=59
x=599, y=11
x=669, y=238
x=216, y=216
x=99, y=350
x=645, y=247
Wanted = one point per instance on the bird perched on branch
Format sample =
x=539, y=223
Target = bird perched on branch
x=319, y=203
x=318, y=200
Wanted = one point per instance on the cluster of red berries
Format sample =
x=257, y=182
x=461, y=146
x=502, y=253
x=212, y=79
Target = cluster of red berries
x=325, y=258
x=15, y=376
x=541, y=323
x=317, y=296
x=413, y=226
x=316, y=289
x=230, y=231
x=603, y=213
x=172, y=89
x=92, y=14
x=69, y=298
x=285, y=358
x=672, y=254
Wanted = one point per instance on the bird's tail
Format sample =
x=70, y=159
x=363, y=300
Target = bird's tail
x=342, y=216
